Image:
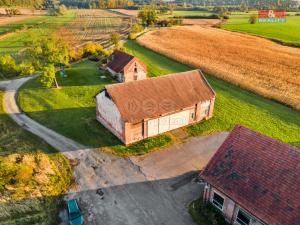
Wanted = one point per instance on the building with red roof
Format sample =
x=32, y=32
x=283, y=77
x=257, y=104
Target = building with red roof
x=145, y=108
x=125, y=67
x=254, y=179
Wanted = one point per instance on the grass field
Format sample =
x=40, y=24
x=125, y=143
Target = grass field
x=25, y=23
x=288, y=32
x=187, y=13
x=44, y=26
x=32, y=176
x=71, y=109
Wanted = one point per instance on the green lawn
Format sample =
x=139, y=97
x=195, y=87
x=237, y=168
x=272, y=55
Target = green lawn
x=186, y=13
x=71, y=109
x=288, y=32
x=22, y=24
x=43, y=26
x=32, y=176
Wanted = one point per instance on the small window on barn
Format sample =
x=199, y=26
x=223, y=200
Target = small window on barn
x=135, y=69
x=193, y=115
x=242, y=218
x=218, y=201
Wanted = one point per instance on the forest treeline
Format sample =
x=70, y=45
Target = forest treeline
x=130, y=3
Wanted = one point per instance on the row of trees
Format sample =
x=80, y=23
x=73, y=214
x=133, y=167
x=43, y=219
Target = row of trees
x=52, y=4
x=249, y=3
x=24, y=3
x=96, y=4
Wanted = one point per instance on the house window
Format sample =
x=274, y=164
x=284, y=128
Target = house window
x=242, y=218
x=218, y=201
x=135, y=69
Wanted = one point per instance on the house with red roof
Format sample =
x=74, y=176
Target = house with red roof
x=125, y=67
x=136, y=110
x=254, y=179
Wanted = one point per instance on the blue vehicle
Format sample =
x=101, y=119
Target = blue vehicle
x=74, y=213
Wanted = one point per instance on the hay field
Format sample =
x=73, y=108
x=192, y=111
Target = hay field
x=254, y=63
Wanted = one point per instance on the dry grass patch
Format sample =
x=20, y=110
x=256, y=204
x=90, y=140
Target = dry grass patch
x=201, y=22
x=254, y=63
x=127, y=12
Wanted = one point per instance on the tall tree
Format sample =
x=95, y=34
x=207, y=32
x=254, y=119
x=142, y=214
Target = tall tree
x=46, y=53
x=51, y=4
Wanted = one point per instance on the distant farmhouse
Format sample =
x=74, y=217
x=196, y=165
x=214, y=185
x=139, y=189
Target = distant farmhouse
x=254, y=179
x=125, y=67
x=145, y=108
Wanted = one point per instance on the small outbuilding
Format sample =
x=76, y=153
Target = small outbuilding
x=254, y=180
x=145, y=108
x=125, y=67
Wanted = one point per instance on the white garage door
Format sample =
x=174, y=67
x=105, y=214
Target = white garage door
x=164, y=124
x=179, y=119
x=152, y=127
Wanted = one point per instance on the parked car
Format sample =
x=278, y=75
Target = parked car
x=74, y=213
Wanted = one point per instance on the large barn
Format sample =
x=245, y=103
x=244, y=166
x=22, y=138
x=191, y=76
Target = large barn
x=254, y=180
x=145, y=108
x=125, y=67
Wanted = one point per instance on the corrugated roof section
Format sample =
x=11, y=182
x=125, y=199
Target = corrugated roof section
x=153, y=97
x=259, y=173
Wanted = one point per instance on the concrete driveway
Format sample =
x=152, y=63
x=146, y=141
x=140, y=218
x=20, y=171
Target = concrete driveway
x=160, y=191
x=179, y=159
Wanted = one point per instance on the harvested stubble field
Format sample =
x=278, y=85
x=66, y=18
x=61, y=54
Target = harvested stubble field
x=201, y=22
x=127, y=12
x=254, y=63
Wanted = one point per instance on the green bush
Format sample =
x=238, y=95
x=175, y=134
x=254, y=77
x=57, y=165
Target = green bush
x=132, y=36
x=8, y=66
x=136, y=28
x=253, y=19
x=92, y=49
x=206, y=214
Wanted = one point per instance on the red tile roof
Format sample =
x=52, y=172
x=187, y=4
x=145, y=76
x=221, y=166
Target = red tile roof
x=149, y=98
x=259, y=173
x=120, y=60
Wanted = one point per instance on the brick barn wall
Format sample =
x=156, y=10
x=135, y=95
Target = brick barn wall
x=133, y=132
